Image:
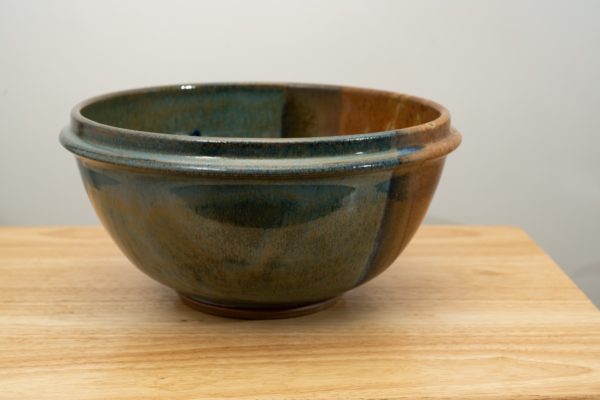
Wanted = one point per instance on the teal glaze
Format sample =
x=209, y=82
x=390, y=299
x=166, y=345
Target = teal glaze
x=260, y=196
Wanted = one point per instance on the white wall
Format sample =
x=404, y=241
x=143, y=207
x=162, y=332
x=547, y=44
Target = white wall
x=521, y=79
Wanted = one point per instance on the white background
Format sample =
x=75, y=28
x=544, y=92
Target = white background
x=521, y=79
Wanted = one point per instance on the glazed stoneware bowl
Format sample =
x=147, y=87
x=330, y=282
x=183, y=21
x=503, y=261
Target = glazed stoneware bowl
x=260, y=200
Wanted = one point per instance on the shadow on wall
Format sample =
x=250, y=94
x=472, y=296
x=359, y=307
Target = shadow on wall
x=588, y=279
x=435, y=220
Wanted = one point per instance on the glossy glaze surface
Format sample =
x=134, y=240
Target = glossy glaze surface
x=260, y=196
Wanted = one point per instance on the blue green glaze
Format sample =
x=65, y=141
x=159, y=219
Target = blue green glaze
x=260, y=196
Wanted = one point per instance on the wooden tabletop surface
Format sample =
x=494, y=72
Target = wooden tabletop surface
x=465, y=313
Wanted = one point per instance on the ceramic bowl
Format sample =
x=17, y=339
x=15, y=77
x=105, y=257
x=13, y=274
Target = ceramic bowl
x=260, y=200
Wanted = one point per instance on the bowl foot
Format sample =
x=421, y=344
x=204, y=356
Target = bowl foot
x=256, y=313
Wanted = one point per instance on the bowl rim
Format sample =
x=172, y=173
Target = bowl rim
x=443, y=117
x=97, y=141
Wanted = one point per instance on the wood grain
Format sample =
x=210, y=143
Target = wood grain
x=465, y=313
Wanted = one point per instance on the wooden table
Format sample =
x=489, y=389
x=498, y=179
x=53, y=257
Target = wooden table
x=465, y=313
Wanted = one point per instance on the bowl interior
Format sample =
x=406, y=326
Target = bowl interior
x=259, y=111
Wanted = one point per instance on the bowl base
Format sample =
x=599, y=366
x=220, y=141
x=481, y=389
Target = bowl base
x=256, y=313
